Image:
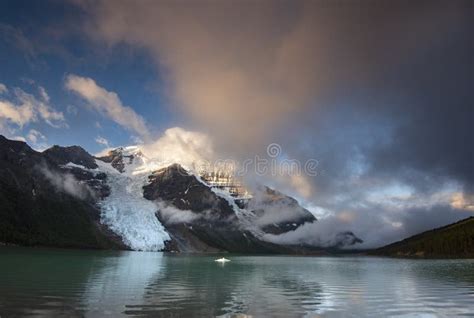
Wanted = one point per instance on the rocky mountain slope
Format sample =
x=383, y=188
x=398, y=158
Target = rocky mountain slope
x=453, y=240
x=66, y=197
x=32, y=209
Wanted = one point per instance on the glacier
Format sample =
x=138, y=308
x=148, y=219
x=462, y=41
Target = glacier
x=125, y=211
x=132, y=217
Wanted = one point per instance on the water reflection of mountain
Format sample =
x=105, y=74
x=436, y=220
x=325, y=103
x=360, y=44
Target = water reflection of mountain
x=203, y=288
x=193, y=286
x=71, y=283
x=96, y=284
x=121, y=281
x=45, y=282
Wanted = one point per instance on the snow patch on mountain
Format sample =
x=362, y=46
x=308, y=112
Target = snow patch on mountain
x=246, y=218
x=73, y=165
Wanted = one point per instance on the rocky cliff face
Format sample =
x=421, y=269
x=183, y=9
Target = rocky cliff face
x=74, y=154
x=196, y=217
x=66, y=197
x=176, y=186
x=118, y=159
x=43, y=204
x=276, y=213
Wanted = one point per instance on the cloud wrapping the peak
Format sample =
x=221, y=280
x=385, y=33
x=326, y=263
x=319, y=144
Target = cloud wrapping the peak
x=177, y=145
x=241, y=82
x=107, y=103
x=375, y=101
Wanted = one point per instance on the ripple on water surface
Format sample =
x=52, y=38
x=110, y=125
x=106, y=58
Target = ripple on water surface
x=96, y=284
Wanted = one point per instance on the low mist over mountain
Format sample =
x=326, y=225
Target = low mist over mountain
x=226, y=158
x=66, y=197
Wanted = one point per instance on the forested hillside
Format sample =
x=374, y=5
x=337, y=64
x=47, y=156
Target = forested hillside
x=454, y=240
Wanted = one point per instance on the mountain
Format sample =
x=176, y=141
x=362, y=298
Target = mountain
x=197, y=217
x=66, y=197
x=454, y=240
x=34, y=212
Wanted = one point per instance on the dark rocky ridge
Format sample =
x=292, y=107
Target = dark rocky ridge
x=117, y=159
x=46, y=201
x=34, y=212
x=217, y=228
x=75, y=154
x=277, y=213
x=215, y=225
x=346, y=238
x=175, y=186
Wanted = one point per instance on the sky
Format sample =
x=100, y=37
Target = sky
x=377, y=93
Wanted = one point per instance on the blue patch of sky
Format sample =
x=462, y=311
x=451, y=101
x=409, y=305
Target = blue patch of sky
x=49, y=54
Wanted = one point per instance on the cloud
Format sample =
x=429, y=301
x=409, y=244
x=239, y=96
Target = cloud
x=103, y=152
x=275, y=208
x=384, y=218
x=102, y=141
x=177, y=145
x=72, y=110
x=136, y=140
x=324, y=233
x=245, y=82
x=19, y=115
x=66, y=182
x=26, y=108
x=3, y=89
x=44, y=95
x=171, y=215
x=34, y=136
x=374, y=224
x=300, y=183
x=375, y=101
x=462, y=201
x=37, y=140
x=18, y=138
x=107, y=103
x=239, y=82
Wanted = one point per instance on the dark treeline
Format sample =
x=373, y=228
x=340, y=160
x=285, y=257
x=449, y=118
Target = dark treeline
x=454, y=240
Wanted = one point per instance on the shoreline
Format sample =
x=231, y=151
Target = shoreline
x=365, y=253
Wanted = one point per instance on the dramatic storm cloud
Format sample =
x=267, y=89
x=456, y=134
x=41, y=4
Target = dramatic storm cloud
x=379, y=94
x=376, y=95
x=241, y=82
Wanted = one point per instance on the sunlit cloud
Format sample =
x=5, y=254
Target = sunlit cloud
x=23, y=108
x=102, y=141
x=107, y=103
x=34, y=136
x=462, y=201
x=3, y=89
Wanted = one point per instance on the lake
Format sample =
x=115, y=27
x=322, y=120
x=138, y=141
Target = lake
x=77, y=283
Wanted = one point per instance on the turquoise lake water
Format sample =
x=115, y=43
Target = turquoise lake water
x=72, y=283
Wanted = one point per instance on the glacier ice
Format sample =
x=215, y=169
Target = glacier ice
x=126, y=212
